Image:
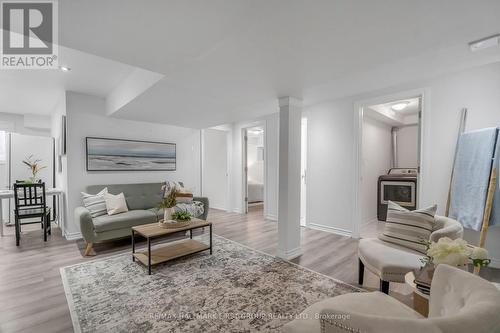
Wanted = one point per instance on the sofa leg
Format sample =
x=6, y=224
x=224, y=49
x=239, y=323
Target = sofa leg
x=361, y=273
x=384, y=287
x=88, y=248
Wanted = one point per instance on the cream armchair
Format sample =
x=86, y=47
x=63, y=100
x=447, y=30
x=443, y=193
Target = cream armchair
x=460, y=302
x=391, y=262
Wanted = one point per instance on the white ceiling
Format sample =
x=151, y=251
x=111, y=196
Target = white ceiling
x=38, y=91
x=228, y=60
x=386, y=114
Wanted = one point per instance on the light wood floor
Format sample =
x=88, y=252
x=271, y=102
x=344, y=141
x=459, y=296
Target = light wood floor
x=32, y=297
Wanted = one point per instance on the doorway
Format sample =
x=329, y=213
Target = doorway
x=254, y=169
x=388, y=161
x=16, y=148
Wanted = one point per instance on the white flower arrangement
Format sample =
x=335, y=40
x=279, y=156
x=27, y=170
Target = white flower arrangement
x=455, y=252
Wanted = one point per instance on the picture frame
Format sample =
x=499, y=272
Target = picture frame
x=109, y=154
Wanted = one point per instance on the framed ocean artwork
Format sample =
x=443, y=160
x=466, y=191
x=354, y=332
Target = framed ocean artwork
x=129, y=155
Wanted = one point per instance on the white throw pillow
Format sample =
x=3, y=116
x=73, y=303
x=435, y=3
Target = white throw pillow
x=115, y=204
x=95, y=203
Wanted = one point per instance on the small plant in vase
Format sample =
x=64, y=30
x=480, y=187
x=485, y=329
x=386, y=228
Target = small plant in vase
x=167, y=204
x=34, y=166
x=181, y=216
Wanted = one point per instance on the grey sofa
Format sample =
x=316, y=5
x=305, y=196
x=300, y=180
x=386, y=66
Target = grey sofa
x=141, y=201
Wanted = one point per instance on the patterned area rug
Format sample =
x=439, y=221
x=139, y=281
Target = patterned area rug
x=236, y=289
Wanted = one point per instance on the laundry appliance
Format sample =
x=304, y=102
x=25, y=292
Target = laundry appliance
x=399, y=186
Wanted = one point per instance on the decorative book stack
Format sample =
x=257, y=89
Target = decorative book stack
x=423, y=278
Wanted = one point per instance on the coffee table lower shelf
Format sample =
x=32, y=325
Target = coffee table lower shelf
x=166, y=252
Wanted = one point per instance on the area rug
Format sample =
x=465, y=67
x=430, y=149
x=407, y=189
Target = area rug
x=236, y=289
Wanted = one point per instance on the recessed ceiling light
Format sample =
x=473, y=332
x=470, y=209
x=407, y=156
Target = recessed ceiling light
x=399, y=106
x=64, y=68
x=485, y=43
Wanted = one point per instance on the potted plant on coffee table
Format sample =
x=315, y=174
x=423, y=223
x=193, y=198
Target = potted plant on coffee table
x=178, y=219
x=167, y=204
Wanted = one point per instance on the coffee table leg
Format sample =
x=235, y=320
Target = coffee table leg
x=210, y=239
x=149, y=256
x=191, y=233
x=133, y=245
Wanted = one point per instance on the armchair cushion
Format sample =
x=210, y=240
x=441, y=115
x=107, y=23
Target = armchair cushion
x=446, y=227
x=372, y=304
x=389, y=261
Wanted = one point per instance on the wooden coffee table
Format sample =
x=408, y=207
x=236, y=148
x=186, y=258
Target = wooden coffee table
x=168, y=251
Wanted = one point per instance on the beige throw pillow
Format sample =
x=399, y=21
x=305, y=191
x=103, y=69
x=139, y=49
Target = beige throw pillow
x=115, y=204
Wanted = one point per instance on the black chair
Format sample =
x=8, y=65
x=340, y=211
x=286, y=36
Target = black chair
x=30, y=203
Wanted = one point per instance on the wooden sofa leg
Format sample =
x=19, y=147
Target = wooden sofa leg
x=384, y=287
x=361, y=273
x=88, y=248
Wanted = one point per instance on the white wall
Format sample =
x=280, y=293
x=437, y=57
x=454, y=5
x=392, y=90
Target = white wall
x=255, y=167
x=331, y=175
x=407, y=147
x=25, y=124
x=376, y=161
x=215, y=168
x=271, y=138
x=330, y=166
x=85, y=118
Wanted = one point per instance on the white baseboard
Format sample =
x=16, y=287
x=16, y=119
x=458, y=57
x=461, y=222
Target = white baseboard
x=219, y=208
x=290, y=254
x=333, y=230
x=271, y=217
x=73, y=235
x=372, y=220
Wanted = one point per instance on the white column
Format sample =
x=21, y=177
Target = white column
x=289, y=178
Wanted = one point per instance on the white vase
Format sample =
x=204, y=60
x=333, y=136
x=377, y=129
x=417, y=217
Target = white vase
x=167, y=214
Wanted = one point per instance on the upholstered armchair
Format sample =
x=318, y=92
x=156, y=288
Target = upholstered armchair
x=460, y=302
x=391, y=262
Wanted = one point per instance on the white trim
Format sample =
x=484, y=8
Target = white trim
x=333, y=230
x=73, y=235
x=424, y=94
x=238, y=210
x=289, y=255
x=244, y=156
x=271, y=217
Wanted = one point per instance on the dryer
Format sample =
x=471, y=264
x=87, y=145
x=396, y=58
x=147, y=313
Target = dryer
x=399, y=186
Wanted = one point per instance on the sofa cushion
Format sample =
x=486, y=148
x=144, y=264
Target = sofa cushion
x=138, y=196
x=123, y=220
x=389, y=261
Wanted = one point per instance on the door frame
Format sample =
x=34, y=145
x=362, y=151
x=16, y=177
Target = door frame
x=423, y=94
x=244, y=169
